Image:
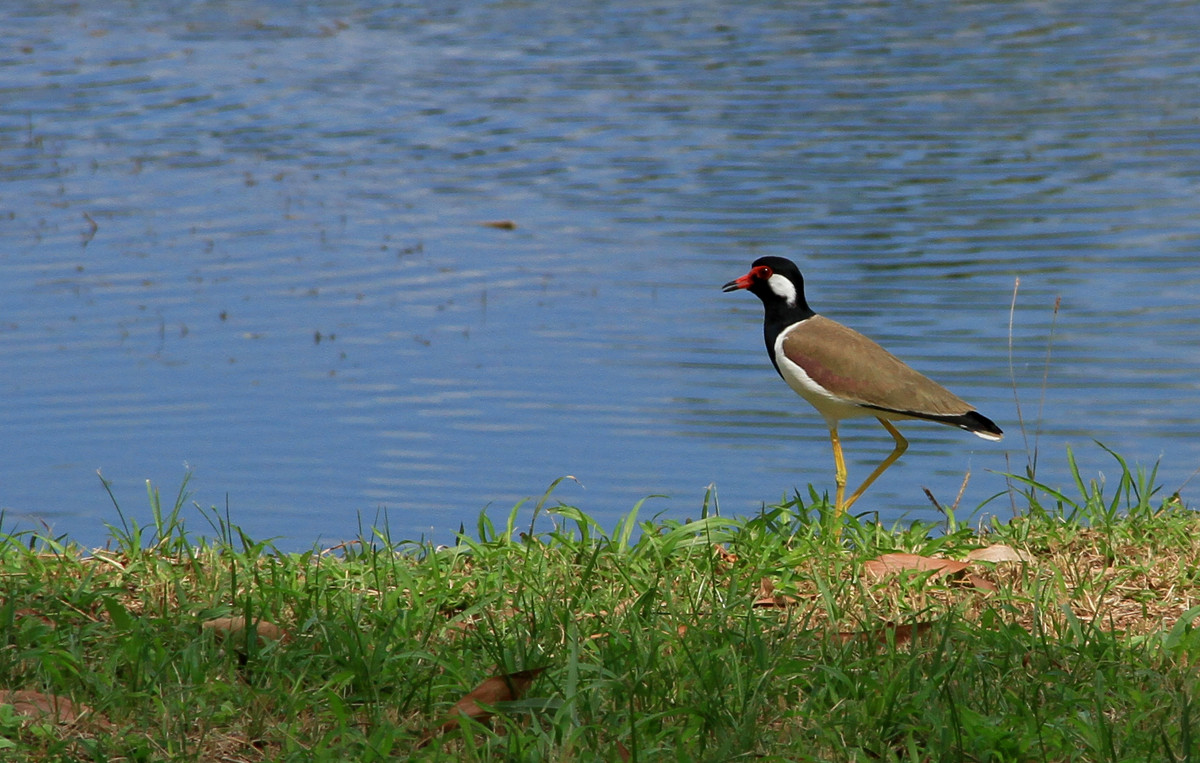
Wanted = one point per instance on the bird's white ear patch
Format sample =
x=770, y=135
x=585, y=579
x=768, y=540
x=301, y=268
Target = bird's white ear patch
x=784, y=288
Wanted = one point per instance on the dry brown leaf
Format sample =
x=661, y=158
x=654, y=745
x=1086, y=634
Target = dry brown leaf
x=35, y=704
x=900, y=634
x=461, y=624
x=768, y=599
x=724, y=554
x=999, y=553
x=981, y=583
x=456, y=628
x=28, y=612
x=890, y=564
x=231, y=626
x=502, y=688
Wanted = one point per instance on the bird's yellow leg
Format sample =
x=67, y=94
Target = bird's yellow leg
x=901, y=446
x=839, y=474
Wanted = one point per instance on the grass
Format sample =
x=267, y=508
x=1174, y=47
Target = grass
x=719, y=639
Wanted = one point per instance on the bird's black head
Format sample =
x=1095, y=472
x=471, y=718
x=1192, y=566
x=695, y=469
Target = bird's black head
x=777, y=282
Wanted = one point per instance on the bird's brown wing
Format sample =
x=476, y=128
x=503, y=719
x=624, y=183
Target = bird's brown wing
x=857, y=369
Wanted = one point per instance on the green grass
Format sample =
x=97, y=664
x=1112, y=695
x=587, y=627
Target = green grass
x=649, y=637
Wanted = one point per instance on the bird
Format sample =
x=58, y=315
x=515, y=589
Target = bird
x=844, y=374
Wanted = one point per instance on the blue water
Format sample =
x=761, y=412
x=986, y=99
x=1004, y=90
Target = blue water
x=246, y=241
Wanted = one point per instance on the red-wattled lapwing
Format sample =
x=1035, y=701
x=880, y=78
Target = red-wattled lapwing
x=844, y=374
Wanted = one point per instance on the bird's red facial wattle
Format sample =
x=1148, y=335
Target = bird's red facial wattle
x=760, y=273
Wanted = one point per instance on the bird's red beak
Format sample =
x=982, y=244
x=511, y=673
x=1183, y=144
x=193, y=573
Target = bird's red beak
x=739, y=283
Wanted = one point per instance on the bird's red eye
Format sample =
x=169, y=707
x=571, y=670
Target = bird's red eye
x=763, y=272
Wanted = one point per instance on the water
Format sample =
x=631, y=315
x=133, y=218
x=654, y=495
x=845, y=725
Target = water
x=247, y=241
